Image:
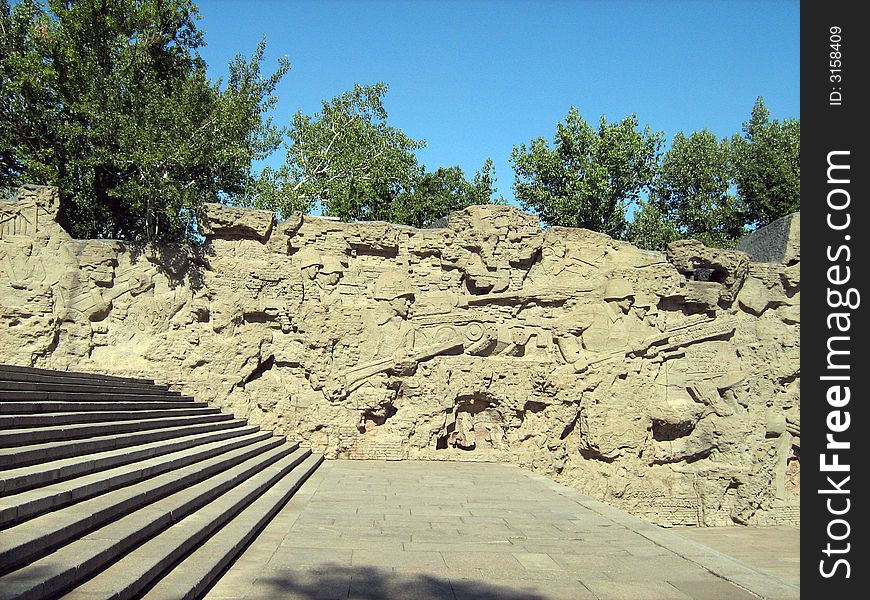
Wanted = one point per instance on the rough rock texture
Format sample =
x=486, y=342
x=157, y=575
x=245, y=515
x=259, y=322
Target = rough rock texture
x=668, y=385
x=230, y=222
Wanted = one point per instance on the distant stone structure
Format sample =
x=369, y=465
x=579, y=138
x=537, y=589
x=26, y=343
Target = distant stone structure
x=779, y=242
x=666, y=384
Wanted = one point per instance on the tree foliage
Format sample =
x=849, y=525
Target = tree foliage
x=702, y=187
x=349, y=162
x=348, y=159
x=650, y=228
x=691, y=196
x=436, y=194
x=767, y=165
x=718, y=190
x=109, y=101
x=589, y=176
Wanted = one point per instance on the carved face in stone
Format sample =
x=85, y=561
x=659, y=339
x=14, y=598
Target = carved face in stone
x=624, y=304
x=310, y=262
x=311, y=271
x=330, y=273
x=330, y=279
x=619, y=291
x=401, y=306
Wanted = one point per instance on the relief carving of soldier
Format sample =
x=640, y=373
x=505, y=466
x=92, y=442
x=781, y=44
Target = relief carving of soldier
x=320, y=274
x=603, y=327
x=609, y=322
x=387, y=347
x=394, y=333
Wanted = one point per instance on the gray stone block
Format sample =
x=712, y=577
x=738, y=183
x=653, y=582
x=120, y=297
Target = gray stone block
x=778, y=242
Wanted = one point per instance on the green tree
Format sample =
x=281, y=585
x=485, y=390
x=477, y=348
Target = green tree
x=767, y=166
x=691, y=195
x=589, y=176
x=433, y=195
x=109, y=101
x=348, y=161
x=650, y=228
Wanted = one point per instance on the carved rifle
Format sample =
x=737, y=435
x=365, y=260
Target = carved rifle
x=94, y=303
x=688, y=331
x=357, y=375
x=540, y=294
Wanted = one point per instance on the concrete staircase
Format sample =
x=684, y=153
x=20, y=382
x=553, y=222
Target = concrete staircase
x=113, y=487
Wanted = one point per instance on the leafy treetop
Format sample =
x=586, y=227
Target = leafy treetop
x=109, y=101
x=590, y=175
x=348, y=161
x=767, y=166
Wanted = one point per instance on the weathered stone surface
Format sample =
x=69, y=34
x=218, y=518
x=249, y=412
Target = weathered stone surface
x=232, y=223
x=709, y=265
x=791, y=276
x=33, y=213
x=635, y=377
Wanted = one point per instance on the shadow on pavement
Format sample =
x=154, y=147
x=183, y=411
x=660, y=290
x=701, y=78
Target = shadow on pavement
x=370, y=583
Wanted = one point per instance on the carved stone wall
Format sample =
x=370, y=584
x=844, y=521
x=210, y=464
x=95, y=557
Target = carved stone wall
x=666, y=384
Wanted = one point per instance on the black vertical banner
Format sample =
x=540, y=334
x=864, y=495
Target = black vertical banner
x=835, y=422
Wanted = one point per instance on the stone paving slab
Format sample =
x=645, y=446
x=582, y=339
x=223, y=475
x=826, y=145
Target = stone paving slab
x=378, y=530
x=771, y=549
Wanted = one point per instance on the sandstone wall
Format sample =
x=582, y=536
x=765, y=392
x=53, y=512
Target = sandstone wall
x=668, y=385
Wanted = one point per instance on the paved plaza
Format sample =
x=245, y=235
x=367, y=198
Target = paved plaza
x=373, y=530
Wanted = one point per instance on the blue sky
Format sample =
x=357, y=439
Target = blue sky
x=476, y=78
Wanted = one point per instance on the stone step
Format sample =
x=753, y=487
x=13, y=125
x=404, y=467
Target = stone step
x=169, y=495
x=20, y=421
x=31, y=503
x=33, y=407
x=97, y=469
x=114, y=388
x=251, y=503
x=24, y=478
x=23, y=456
x=191, y=577
x=81, y=558
x=56, y=433
x=37, y=374
x=90, y=396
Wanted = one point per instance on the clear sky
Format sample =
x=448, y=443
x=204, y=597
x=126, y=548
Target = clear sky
x=474, y=78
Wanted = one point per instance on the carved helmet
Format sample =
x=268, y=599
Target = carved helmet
x=308, y=257
x=617, y=289
x=730, y=380
x=392, y=284
x=331, y=264
x=646, y=301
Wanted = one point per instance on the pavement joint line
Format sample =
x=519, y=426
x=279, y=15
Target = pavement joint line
x=709, y=564
x=302, y=497
x=366, y=539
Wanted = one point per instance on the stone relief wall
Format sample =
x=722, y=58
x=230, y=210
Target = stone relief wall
x=665, y=384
